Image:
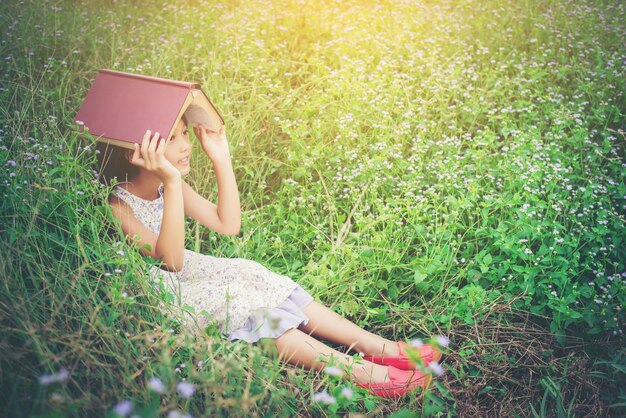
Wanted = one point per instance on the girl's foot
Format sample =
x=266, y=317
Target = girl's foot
x=427, y=353
x=389, y=382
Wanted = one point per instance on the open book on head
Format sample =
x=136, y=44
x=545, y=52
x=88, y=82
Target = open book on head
x=120, y=107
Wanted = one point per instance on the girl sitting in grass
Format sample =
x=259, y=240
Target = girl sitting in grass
x=246, y=300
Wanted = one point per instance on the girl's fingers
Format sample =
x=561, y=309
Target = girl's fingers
x=151, y=156
x=146, y=149
x=154, y=142
x=161, y=146
x=145, y=143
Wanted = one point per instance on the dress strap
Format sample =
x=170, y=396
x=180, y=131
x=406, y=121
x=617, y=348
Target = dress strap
x=120, y=190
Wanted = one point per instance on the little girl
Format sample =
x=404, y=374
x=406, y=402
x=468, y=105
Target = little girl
x=246, y=300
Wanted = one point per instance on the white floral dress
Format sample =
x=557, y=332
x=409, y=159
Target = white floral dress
x=245, y=299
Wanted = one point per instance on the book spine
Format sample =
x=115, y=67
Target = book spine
x=153, y=79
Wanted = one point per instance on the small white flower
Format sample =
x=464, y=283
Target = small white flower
x=436, y=368
x=442, y=340
x=323, y=397
x=156, y=385
x=185, y=389
x=333, y=371
x=120, y=252
x=56, y=397
x=528, y=251
x=61, y=376
x=417, y=343
x=123, y=408
x=46, y=379
x=347, y=393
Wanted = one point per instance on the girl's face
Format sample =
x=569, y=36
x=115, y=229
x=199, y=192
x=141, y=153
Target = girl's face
x=178, y=150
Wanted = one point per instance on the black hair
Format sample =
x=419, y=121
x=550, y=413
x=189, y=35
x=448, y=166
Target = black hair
x=112, y=164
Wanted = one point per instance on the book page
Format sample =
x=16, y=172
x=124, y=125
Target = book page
x=197, y=114
x=202, y=111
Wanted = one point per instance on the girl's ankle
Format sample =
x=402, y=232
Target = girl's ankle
x=370, y=373
x=388, y=349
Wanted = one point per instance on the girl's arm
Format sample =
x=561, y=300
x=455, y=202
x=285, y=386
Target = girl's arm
x=145, y=239
x=228, y=205
x=225, y=217
x=132, y=228
x=169, y=245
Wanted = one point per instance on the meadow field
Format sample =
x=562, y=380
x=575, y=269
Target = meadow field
x=425, y=168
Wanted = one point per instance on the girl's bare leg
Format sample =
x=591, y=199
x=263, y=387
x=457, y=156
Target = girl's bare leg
x=327, y=324
x=301, y=349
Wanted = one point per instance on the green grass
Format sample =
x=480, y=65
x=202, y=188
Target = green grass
x=436, y=167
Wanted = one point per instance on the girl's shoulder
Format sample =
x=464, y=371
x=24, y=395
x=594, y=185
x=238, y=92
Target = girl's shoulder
x=120, y=187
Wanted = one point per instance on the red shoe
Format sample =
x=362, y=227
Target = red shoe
x=401, y=382
x=428, y=353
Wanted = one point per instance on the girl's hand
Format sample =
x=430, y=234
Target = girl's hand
x=214, y=143
x=151, y=157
